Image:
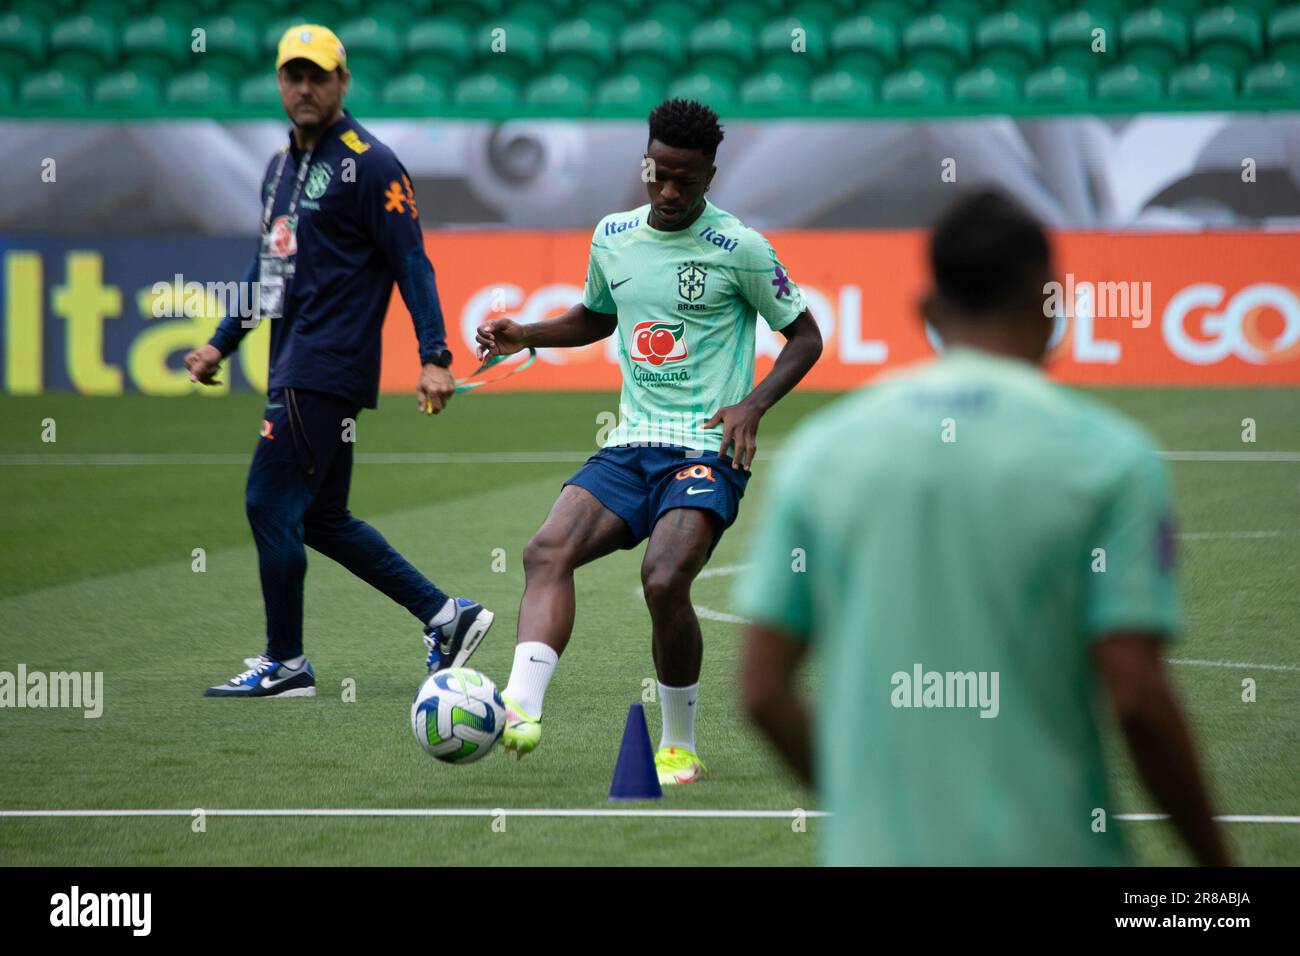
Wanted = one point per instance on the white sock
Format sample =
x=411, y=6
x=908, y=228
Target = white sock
x=445, y=614
x=531, y=674
x=294, y=662
x=677, y=704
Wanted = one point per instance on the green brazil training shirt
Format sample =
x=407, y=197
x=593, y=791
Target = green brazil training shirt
x=952, y=540
x=686, y=303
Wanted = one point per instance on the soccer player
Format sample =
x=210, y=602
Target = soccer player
x=339, y=227
x=985, y=554
x=680, y=281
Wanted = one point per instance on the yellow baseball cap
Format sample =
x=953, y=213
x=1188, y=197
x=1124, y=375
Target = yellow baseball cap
x=311, y=41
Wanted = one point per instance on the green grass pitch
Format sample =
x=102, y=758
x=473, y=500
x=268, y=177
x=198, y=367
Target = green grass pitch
x=95, y=575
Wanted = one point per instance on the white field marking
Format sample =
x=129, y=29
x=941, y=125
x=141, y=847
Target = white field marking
x=712, y=615
x=531, y=812
x=488, y=458
x=429, y=812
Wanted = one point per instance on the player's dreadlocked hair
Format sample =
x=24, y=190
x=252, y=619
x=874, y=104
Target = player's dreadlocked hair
x=685, y=124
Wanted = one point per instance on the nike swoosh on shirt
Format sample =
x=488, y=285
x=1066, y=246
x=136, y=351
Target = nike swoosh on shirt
x=699, y=491
x=615, y=285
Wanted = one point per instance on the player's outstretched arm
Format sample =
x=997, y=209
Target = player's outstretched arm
x=769, y=662
x=1134, y=678
x=578, y=326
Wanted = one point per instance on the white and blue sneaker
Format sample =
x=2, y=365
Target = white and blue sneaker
x=268, y=678
x=451, y=644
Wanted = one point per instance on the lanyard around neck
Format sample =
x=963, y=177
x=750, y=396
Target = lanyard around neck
x=275, y=187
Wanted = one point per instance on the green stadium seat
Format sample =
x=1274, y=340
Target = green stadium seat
x=653, y=47
x=537, y=14
x=255, y=13
x=581, y=48
x=8, y=94
x=439, y=48
x=772, y=92
x=200, y=92
x=986, y=87
x=841, y=93
x=83, y=44
x=914, y=89
x=629, y=95
x=364, y=93
x=53, y=91
x=486, y=94
x=963, y=11
x=722, y=46
x=610, y=14
x=1284, y=35
x=714, y=89
x=1042, y=11
x=187, y=9
x=1009, y=41
x=156, y=45
x=776, y=46
x=865, y=45
x=127, y=91
x=22, y=44
x=1231, y=38
x=416, y=94
x=1261, y=8
x=1056, y=85
x=1155, y=39
x=231, y=48
x=937, y=43
x=897, y=12
x=1071, y=38
x=558, y=94
x=373, y=45
x=260, y=95
x=750, y=15
x=1278, y=80
x=109, y=11
x=1206, y=83
x=523, y=52
x=821, y=12
x=1129, y=84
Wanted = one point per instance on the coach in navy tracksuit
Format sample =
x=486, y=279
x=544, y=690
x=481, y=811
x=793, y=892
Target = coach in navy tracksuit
x=339, y=227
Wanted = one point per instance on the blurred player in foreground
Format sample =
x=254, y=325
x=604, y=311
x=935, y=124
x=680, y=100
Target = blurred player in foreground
x=680, y=281
x=339, y=227
x=984, y=556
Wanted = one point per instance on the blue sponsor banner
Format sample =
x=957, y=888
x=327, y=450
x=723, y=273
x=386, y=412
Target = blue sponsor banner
x=112, y=315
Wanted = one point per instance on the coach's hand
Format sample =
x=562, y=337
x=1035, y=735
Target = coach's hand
x=203, y=363
x=435, y=389
x=499, y=337
x=739, y=426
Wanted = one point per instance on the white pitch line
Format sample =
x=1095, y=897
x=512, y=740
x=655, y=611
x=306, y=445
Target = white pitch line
x=426, y=812
x=1235, y=664
x=1230, y=455
x=1225, y=818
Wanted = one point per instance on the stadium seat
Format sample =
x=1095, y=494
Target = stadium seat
x=415, y=94
x=259, y=95
x=200, y=92
x=156, y=45
x=1042, y=11
x=231, y=48
x=722, y=46
x=751, y=15
x=1129, y=84
x=1284, y=35
x=841, y=93
x=439, y=48
x=772, y=92
x=1228, y=37
x=937, y=43
x=717, y=90
x=127, y=91
x=1207, y=83
x=54, y=90
x=84, y=45
x=654, y=48
x=610, y=14
x=1056, y=85
x=630, y=95
x=558, y=94
x=776, y=45
x=486, y=94
x=1276, y=80
x=914, y=89
x=22, y=44
x=1155, y=39
x=373, y=45
x=824, y=13
x=865, y=45
x=581, y=48
x=519, y=49
x=535, y=13
x=962, y=11
x=681, y=16
x=1072, y=36
x=986, y=86
x=1010, y=40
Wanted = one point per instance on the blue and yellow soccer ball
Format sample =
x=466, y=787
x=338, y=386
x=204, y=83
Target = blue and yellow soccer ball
x=458, y=715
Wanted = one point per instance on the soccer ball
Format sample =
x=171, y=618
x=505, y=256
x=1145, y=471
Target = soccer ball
x=458, y=715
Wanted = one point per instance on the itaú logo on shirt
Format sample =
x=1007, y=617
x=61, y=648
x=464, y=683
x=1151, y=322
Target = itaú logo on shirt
x=659, y=342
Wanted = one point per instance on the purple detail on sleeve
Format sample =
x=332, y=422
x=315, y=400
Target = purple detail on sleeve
x=782, y=283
